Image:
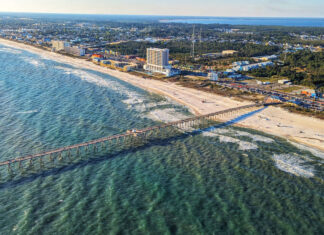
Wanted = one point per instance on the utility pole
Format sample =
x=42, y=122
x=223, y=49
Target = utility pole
x=193, y=39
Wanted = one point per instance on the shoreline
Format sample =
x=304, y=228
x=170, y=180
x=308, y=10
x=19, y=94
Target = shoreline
x=276, y=121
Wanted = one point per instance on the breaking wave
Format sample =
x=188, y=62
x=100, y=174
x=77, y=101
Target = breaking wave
x=29, y=111
x=313, y=151
x=91, y=78
x=166, y=115
x=34, y=62
x=10, y=50
x=294, y=164
x=243, y=145
x=254, y=137
x=133, y=97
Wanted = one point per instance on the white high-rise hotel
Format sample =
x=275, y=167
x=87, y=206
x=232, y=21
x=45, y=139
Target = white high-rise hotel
x=157, y=61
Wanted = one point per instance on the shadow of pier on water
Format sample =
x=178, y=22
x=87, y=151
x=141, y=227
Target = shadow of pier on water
x=100, y=157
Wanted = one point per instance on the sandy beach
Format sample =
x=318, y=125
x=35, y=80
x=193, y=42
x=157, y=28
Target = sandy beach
x=273, y=120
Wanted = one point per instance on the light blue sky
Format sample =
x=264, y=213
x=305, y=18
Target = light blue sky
x=276, y=8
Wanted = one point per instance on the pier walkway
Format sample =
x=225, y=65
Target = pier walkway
x=120, y=139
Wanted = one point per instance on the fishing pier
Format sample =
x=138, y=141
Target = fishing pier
x=130, y=138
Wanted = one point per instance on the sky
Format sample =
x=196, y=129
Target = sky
x=256, y=8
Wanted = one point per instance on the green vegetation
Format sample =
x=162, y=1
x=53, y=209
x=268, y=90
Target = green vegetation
x=302, y=68
x=179, y=49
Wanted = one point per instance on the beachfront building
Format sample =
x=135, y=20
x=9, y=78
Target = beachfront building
x=157, y=61
x=75, y=50
x=59, y=45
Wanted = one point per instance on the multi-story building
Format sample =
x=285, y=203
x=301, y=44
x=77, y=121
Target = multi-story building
x=157, y=61
x=66, y=47
x=58, y=45
x=77, y=51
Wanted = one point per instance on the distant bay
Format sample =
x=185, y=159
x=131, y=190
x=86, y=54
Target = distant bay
x=268, y=21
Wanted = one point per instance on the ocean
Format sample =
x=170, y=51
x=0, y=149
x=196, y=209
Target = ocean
x=224, y=180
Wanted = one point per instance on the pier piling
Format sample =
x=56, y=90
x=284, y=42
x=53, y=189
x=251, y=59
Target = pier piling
x=125, y=140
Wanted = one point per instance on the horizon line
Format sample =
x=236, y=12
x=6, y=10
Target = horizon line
x=102, y=14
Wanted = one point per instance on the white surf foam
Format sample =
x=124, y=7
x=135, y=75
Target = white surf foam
x=209, y=134
x=137, y=98
x=254, y=137
x=155, y=104
x=10, y=50
x=227, y=139
x=133, y=97
x=243, y=145
x=138, y=107
x=36, y=63
x=165, y=115
x=293, y=164
x=134, y=100
x=29, y=111
x=91, y=78
x=221, y=131
x=142, y=105
x=313, y=151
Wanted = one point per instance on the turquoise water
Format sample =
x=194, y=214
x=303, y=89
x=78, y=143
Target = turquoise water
x=227, y=180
